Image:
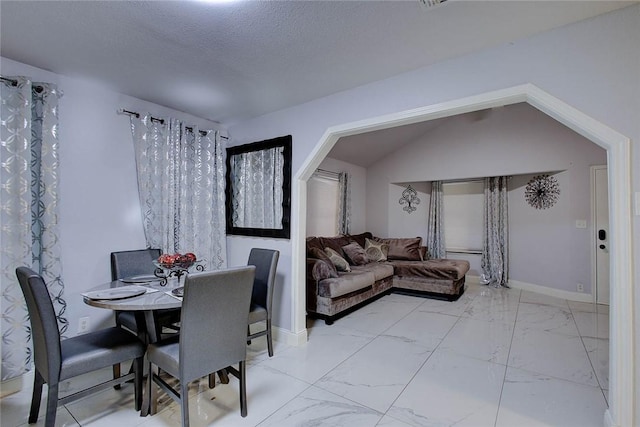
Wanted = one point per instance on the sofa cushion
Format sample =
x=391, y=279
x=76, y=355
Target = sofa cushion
x=380, y=270
x=449, y=269
x=355, y=253
x=360, y=238
x=403, y=248
x=314, y=242
x=335, y=243
x=345, y=284
x=376, y=251
x=322, y=256
x=337, y=260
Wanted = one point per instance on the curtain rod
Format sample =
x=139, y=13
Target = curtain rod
x=326, y=173
x=14, y=82
x=161, y=121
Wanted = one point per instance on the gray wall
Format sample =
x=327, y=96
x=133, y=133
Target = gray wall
x=546, y=248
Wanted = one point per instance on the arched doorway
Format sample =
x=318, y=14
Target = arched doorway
x=618, y=150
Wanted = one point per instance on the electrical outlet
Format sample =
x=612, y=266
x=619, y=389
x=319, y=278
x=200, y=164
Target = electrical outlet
x=83, y=325
x=580, y=287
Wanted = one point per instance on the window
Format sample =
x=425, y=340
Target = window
x=322, y=205
x=463, y=205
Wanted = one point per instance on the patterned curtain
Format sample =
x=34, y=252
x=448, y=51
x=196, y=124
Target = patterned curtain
x=435, y=231
x=29, y=210
x=495, y=250
x=181, y=188
x=344, y=204
x=258, y=195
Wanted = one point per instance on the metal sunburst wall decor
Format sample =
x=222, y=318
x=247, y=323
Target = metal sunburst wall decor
x=409, y=199
x=542, y=191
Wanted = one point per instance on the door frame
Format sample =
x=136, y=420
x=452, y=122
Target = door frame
x=594, y=231
x=618, y=146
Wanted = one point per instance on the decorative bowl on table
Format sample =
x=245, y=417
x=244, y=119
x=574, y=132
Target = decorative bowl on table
x=176, y=265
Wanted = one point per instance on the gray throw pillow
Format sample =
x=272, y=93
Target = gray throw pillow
x=356, y=253
x=340, y=263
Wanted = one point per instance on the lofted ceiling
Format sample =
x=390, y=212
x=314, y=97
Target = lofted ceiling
x=233, y=61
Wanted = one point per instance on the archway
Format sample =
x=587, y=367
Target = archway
x=621, y=347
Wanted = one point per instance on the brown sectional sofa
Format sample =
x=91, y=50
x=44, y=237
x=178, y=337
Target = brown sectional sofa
x=407, y=269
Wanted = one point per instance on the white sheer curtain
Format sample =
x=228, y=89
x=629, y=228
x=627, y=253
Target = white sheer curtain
x=181, y=187
x=435, y=231
x=258, y=194
x=29, y=234
x=344, y=203
x=495, y=251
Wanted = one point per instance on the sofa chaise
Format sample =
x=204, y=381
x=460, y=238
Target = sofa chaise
x=348, y=271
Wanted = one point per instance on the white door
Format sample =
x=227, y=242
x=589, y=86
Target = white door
x=601, y=230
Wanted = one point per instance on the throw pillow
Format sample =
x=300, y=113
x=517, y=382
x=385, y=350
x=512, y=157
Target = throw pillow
x=323, y=270
x=355, y=253
x=322, y=256
x=376, y=251
x=340, y=263
x=403, y=248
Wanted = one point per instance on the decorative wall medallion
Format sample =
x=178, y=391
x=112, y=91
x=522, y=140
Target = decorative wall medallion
x=542, y=191
x=409, y=199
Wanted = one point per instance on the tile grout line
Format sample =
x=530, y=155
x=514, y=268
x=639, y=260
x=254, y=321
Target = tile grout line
x=504, y=379
x=423, y=363
x=587, y=351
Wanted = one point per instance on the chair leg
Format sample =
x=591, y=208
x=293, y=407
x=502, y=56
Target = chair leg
x=212, y=380
x=248, y=334
x=184, y=403
x=137, y=385
x=36, y=397
x=224, y=376
x=149, y=393
x=243, y=389
x=52, y=405
x=269, y=339
x=116, y=374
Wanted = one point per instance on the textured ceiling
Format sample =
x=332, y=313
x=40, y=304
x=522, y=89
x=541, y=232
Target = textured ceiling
x=233, y=61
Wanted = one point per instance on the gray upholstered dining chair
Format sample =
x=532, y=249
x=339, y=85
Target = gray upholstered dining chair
x=212, y=336
x=56, y=360
x=266, y=262
x=133, y=263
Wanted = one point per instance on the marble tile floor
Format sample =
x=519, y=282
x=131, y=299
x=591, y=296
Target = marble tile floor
x=496, y=357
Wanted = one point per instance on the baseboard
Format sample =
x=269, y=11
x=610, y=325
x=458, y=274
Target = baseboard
x=539, y=289
x=11, y=386
x=289, y=338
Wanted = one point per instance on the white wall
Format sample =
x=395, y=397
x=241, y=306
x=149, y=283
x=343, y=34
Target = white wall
x=545, y=247
x=593, y=66
x=99, y=206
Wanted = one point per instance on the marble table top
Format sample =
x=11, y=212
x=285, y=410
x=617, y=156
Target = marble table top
x=156, y=298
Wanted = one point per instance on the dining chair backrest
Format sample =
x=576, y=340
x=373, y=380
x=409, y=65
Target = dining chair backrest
x=213, y=323
x=266, y=263
x=44, y=325
x=131, y=263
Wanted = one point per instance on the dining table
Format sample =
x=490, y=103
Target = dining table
x=143, y=296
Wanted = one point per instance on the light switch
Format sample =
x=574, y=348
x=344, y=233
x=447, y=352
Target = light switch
x=581, y=223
